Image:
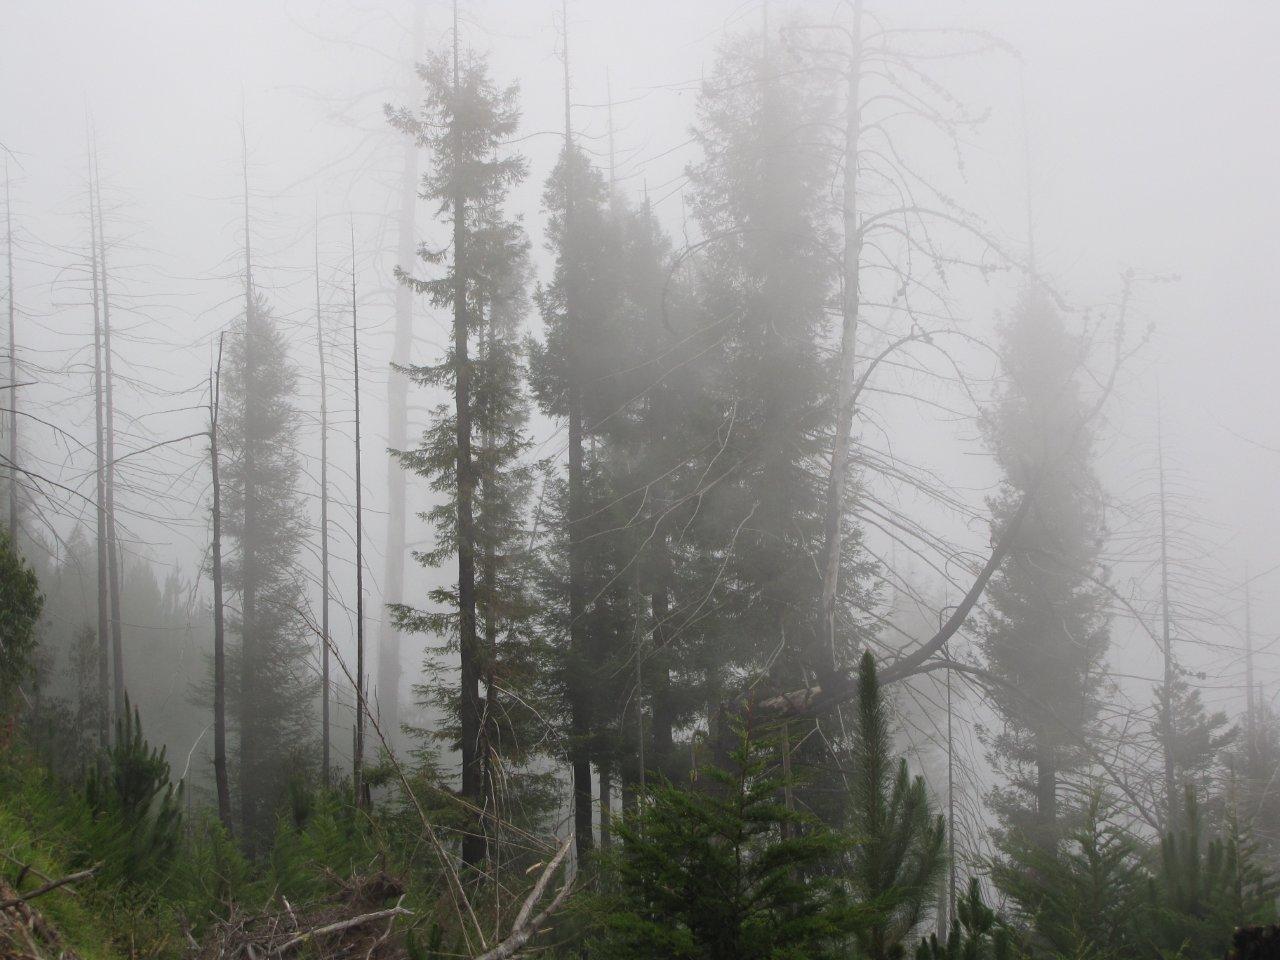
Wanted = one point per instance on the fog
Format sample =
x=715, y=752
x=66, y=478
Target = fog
x=1115, y=156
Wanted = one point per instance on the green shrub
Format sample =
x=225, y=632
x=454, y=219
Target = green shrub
x=135, y=808
x=725, y=873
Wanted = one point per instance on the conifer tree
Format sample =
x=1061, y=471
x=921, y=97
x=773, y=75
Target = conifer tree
x=1206, y=886
x=1045, y=636
x=765, y=283
x=977, y=933
x=727, y=871
x=568, y=380
x=137, y=809
x=897, y=854
x=471, y=452
x=271, y=692
x=1082, y=896
x=20, y=606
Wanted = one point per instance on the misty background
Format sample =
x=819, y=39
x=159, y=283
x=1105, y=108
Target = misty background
x=1138, y=137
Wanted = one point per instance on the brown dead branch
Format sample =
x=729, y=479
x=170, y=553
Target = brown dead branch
x=524, y=928
x=50, y=886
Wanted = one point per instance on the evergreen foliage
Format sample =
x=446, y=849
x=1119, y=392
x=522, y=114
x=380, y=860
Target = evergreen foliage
x=896, y=852
x=977, y=933
x=1045, y=635
x=1083, y=895
x=484, y=616
x=1205, y=887
x=136, y=810
x=726, y=872
x=1201, y=737
x=20, y=605
x=270, y=691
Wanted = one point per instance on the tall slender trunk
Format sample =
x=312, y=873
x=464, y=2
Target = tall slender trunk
x=248, y=725
x=104, y=601
x=605, y=768
x=469, y=707
x=109, y=446
x=1250, y=715
x=324, y=533
x=1046, y=786
x=951, y=812
x=398, y=432
x=358, y=764
x=13, y=368
x=658, y=421
x=488, y=609
x=1167, y=731
x=219, y=619
x=849, y=306
x=579, y=707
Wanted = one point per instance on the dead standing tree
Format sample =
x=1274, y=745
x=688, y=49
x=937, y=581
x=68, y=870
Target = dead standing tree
x=325, y=685
x=388, y=685
x=104, y=600
x=107, y=400
x=13, y=363
x=219, y=622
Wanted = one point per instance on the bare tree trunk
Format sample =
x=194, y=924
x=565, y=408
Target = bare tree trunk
x=398, y=434
x=605, y=771
x=324, y=532
x=219, y=620
x=1167, y=731
x=104, y=601
x=109, y=482
x=13, y=369
x=663, y=707
x=1250, y=714
x=358, y=763
x=579, y=708
x=849, y=307
x=1046, y=786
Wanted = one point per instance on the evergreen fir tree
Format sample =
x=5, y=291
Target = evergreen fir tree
x=1206, y=887
x=897, y=854
x=727, y=872
x=137, y=810
x=764, y=285
x=1046, y=634
x=1251, y=763
x=1081, y=896
x=590, y=607
x=977, y=933
x=474, y=451
x=20, y=605
x=270, y=689
x=1202, y=737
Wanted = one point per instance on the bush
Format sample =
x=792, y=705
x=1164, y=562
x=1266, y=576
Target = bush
x=136, y=812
